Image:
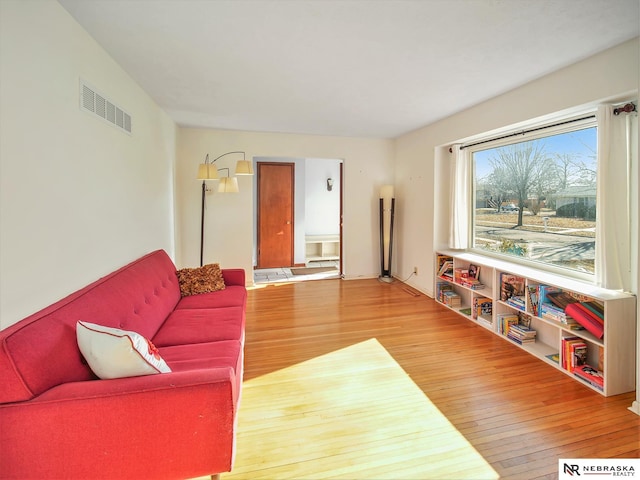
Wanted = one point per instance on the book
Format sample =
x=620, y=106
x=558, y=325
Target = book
x=505, y=320
x=442, y=287
x=595, y=307
x=482, y=307
x=460, y=274
x=578, y=355
x=517, y=301
x=569, y=345
x=471, y=283
x=522, y=330
x=590, y=375
x=552, y=312
x=511, y=286
x=532, y=290
x=474, y=271
x=588, y=320
x=446, y=269
x=561, y=299
x=554, y=357
x=543, y=291
x=452, y=299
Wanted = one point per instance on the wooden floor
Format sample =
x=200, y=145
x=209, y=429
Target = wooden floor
x=518, y=413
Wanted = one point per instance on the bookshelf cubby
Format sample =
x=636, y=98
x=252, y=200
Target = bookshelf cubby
x=592, y=341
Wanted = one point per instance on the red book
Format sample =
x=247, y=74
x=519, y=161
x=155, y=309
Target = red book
x=591, y=314
x=590, y=375
x=586, y=320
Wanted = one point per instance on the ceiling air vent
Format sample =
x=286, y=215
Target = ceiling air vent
x=96, y=103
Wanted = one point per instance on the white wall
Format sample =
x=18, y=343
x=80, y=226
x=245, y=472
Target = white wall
x=368, y=164
x=422, y=159
x=322, y=208
x=78, y=197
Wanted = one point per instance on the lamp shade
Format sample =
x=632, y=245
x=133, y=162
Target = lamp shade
x=244, y=167
x=386, y=193
x=207, y=171
x=228, y=185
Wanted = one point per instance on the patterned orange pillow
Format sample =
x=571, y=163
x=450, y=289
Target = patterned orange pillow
x=205, y=279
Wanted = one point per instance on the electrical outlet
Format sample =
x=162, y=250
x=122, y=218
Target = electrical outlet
x=415, y=270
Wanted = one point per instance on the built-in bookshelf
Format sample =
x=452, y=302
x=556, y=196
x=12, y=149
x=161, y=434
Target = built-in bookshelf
x=585, y=331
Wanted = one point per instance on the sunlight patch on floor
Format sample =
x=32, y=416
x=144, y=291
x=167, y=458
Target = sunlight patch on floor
x=352, y=413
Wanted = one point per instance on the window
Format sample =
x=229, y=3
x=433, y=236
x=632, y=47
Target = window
x=535, y=196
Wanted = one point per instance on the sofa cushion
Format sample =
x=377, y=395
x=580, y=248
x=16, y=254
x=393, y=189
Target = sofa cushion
x=225, y=354
x=192, y=325
x=231, y=296
x=205, y=279
x=115, y=353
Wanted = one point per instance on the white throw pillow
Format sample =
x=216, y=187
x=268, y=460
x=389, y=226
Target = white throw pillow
x=115, y=353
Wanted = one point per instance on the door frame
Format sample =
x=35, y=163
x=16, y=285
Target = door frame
x=259, y=164
x=256, y=206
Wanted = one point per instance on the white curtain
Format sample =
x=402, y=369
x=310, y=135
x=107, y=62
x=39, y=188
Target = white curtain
x=460, y=200
x=613, y=207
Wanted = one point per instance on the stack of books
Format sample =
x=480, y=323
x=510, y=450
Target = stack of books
x=573, y=353
x=590, y=375
x=459, y=274
x=505, y=320
x=512, y=290
x=471, y=283
x=551, y=312
x=521, y=334
x=517, y=301
x=452, y=299
x=573, y=358
x=442, y=287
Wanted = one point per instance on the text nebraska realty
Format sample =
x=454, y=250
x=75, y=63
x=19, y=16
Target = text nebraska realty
x=613, y=470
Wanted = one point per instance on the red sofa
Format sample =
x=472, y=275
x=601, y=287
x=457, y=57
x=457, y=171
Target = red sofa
x=58, y=420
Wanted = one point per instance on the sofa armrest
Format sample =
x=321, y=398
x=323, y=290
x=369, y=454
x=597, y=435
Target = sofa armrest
x=234, y=276
x=174, y=425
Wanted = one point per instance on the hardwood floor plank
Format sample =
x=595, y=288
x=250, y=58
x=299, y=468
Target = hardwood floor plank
x=496, y=406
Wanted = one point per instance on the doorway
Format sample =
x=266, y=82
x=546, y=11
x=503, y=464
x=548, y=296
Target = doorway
x=275, y=200
x=316, y=193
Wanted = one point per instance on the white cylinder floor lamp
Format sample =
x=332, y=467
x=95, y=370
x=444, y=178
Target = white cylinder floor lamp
x=387, y=207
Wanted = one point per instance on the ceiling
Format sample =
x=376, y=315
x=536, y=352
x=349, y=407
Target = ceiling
x=363, y=68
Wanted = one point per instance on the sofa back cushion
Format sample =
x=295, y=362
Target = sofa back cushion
x=41, y=351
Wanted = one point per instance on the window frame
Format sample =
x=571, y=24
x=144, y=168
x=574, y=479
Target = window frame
x=534, y=131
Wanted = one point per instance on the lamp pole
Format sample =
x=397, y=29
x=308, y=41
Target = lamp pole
x=204, y=188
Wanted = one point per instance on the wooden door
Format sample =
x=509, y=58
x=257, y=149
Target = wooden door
x=275, y=214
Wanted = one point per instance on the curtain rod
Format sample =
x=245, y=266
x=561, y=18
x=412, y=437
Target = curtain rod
x=628, y=108
x=524, y=132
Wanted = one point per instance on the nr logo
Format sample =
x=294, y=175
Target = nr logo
x=571, y=469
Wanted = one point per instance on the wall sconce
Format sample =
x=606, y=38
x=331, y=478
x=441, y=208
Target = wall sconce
x=208, y=171
x=329, y=184
x=387, y=207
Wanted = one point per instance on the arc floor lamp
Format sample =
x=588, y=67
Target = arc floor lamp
x=228, y=184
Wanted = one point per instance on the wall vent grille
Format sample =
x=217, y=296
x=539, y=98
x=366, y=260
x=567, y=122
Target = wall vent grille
x=96, y=103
